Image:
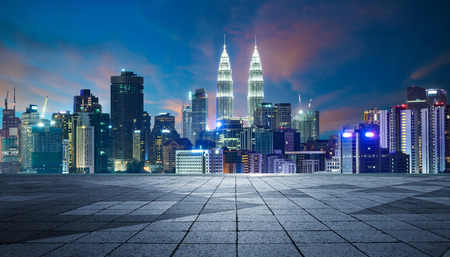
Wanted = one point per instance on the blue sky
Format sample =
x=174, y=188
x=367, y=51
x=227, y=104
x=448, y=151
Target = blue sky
x=346, y=56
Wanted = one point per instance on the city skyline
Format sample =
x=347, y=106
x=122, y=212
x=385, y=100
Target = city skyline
x=346, y=56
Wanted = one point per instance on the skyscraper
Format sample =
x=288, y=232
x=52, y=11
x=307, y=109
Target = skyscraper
x=264, y=115
x=255, y=84
x=416, y=97
x=436, y=96
x=187, y=123
x=307, y=123
x=283, y=116
x=85, y=102
x=163, y=130
x=30, y=118
x=199, y=111
x=225, y=98
x=127, y=106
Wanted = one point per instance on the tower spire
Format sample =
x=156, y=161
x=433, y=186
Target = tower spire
x=14, y=104
x=255, y=41
x=224, y=42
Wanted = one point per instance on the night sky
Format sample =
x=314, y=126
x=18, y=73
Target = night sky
x=346, y=56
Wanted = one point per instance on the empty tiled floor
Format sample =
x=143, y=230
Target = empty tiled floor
x=224, y=215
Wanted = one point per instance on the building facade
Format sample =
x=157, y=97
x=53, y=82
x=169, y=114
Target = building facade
x=224, y=98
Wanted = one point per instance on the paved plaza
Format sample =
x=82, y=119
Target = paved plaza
x=224, y=215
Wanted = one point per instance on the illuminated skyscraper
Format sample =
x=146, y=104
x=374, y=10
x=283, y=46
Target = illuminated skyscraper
x=127, y=107
x=199, y=111
x=255, y=84
x=307, y=123
x=225, y=98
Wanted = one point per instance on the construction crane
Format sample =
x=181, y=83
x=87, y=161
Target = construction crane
x=43, y=108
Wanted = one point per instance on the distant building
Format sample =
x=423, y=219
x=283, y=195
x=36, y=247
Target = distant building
x=228, y=133
x=85, y=148
x=372, y=116
x=268, y=141
x=170, y=147
x=433, y=156
x=187, y=123
x=255, y=85
x=436, y=96
x=199, y=161
x=46, y=149
x=85, y=102
x=307, y=161
x=127, y=107
x=30, y=118
x=224, y=98
x=283, y=116
x=146, y=133
x=199, y=111
x=264, y=115
x=307, y=123
x=360, y=149
x=163, y=130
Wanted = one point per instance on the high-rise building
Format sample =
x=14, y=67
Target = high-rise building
x=395, y=131
x=360, y=149
x=416, y=97
x=255, y=84
x=199, y=111
x=264, y=115
x=283, y=115
x=30, y=118
x=85, y=102
x=46, y=149
x=447, y=138
x=9, y=119
x=62, y=119
x=224, y=98
x=163, y=130
x=199, y=161
x=228, y=133
x=268, y=141
x=433, y=139
x=384, y=128
x=187, y=123
x=138, y=146
x=372, y=116
x=436, y=96
x=85, y=161
x=170, y=147
x=146, y=132
x=127, y=107
x=307, y=123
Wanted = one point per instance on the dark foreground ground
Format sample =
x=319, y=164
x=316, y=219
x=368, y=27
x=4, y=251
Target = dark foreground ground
x=138, y=215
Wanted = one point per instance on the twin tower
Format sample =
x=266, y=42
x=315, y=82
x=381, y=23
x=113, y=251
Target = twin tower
x=225, y=98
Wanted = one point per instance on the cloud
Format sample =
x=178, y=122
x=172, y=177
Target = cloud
x=441, y=61
x=174, y=105
x=335, y=119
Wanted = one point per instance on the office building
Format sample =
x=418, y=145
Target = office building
x=85, y=102
x=200, y=161
x=433, y=125
x=360, y=149
x=146, y=132
x=395, y=131
x=416, y=98
x=224, y=98
x=85, y=150
x=255, y=84
x=283, y=116
x=187, y=123
x=228, y=133
x=436, y=96
x=307, y=123
x=163, y=130
x=307, y=161
x=264, y=115
x=29, y=119
x=268, y=141
x=46, y=149
x=170, y=147
x=199, y=111
x=372, y=116
x=127, y=107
